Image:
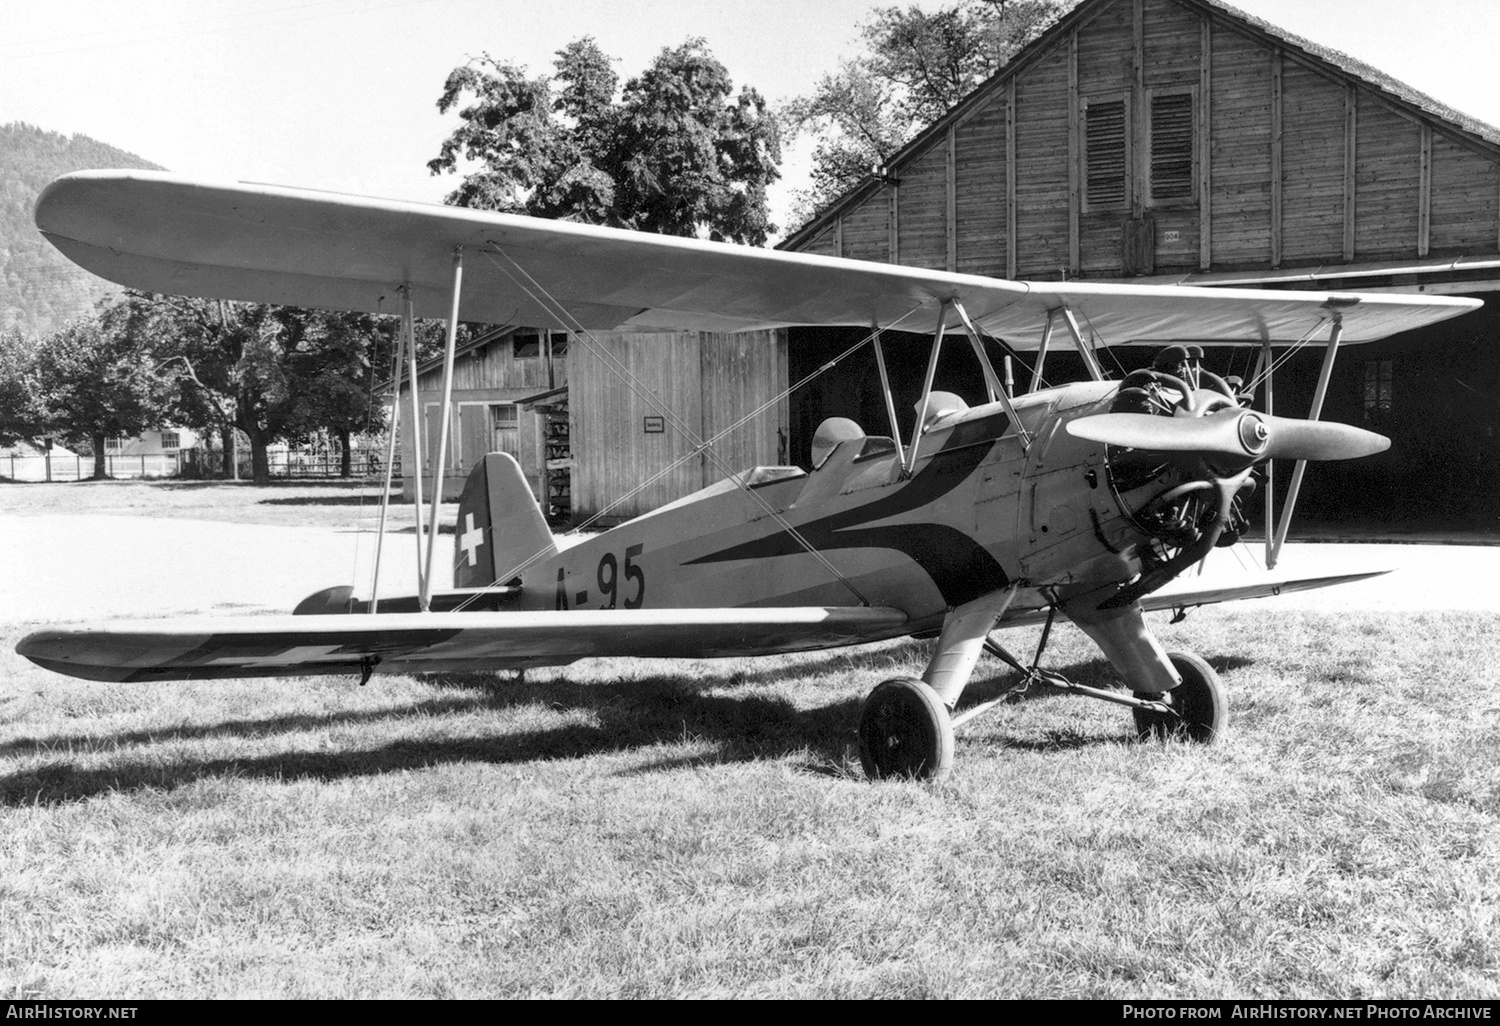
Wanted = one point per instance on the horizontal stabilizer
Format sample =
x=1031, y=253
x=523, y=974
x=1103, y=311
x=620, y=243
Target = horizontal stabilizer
x=205, y=648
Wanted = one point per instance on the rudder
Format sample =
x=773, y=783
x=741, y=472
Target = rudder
x=499, y=526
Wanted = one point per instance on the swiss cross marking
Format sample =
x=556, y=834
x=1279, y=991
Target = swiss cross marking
x=471, y=539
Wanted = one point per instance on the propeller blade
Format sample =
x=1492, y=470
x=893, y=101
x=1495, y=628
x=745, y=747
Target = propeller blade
x=1234, y=434
x=1160, y=434
x=1320, y=440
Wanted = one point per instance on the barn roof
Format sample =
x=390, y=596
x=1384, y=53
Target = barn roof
x=1342, y=64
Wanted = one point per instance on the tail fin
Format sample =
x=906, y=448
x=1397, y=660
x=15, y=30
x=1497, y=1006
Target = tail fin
x=499, y=524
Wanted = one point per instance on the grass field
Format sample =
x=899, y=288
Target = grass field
x=333, y=503
x=653, y=828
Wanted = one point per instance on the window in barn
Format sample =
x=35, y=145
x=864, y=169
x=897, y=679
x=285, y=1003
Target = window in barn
x=1173, y=145
x=1377, y=388
x=525, y=345
x=171, y=440
x=1106, y=152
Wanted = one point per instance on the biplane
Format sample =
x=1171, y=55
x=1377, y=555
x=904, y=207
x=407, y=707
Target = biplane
x=1086, y=499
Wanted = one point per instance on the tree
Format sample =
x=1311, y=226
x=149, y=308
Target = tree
x=678, y=152
x=333, y=361
x=21, y=412
x=916, y=66
x=98, y=382
x=267, y=371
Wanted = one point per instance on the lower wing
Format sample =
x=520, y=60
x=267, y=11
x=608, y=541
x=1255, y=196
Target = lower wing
x=1181, y=596
x=206, y=648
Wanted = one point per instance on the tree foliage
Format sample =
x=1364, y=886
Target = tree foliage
x=96, y=381
x=269, y=371
x=21, y=411
x=915, y=66
x=676, y=151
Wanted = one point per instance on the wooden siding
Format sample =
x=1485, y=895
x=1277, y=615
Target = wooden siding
x=1387, y=180
x=1106, y=69
x=1465, y=189
x=481, y=376
x=741, y=372
x=1312, y=166
x=709, y=381
x=1297, y=163
x=826, y=242
x=867, y=228
x=923, y=204
x=612, y=453
x=1172, y=44
x=1042, y=101
x=979, y=181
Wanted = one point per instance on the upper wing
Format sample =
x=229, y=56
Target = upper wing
x=205, y=648
x=162, y=233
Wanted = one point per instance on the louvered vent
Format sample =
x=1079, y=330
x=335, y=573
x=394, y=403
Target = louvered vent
x=1171, y=147
x=1104, y=130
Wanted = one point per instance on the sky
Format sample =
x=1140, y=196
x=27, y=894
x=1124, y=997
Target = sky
x=342, y=94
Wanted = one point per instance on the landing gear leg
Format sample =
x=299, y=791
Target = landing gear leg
x=1176, y=694
x=904, y=725
x=1198, y=711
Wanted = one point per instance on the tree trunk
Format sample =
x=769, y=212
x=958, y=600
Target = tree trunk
x=260, y=462
x=346, y=468
x=101, y=467
x=230, y=468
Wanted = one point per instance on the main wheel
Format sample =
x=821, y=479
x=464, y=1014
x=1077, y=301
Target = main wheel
x=1198, y=702
x=904, y=731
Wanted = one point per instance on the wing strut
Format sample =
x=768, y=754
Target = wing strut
x=932, y=359
x=408, y=322
x=1084, y=349
x=1263, y=366
x=1041, y=354
x=1300, y=468
x=442, y=449
x=885, y=386
x=998, y=393
x=390, y=460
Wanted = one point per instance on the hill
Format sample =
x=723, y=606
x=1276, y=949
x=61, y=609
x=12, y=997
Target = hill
x=40, y=289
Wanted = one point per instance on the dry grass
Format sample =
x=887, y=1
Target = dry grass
x=652, y=829
x=640, y=828
x=332, y=503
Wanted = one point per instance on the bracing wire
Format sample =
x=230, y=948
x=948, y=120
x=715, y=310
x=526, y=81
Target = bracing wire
x=542, y=297
x=1287, y=355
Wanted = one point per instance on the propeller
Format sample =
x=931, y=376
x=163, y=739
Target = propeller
x=1232, y=434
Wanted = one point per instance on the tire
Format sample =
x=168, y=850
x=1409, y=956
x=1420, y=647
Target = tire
x=1198, y=700
x=905, y=732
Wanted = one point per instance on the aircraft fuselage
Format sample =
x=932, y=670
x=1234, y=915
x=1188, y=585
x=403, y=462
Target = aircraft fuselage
x=978, y=511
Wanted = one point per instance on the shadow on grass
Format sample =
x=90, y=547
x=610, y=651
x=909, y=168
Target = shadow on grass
x=626, y=716
x=332, y=484
x=326, y=500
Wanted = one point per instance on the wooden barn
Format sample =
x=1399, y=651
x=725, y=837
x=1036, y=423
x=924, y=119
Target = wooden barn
x=576, y=413
x=1185, y=142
